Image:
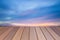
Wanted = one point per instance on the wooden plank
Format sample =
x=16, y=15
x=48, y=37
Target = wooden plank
x=5, y=34
x=33, y=35
x=56, y=30
x=47, y=34
x=18, y=34
x=40, y=34
x=3, y=29
x=11, y=34
x=53, y=34
x=25, y=35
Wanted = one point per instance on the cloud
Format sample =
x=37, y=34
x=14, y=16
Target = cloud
x=30, y=11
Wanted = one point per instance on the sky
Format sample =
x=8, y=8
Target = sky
x=29, y=11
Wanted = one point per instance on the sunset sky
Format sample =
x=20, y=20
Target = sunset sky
x=30, y=11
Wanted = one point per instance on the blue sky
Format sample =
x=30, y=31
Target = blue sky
x=30, y=11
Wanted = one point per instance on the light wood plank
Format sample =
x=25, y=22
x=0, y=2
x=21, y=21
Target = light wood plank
x=18, y=34
x=25, y=35
x=53, y=34
x=11, y=34
x=5, y=34
x=47, y=34
x=40, y=34
x=33, y=35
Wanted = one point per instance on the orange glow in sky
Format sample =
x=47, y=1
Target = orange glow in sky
x=41, y=24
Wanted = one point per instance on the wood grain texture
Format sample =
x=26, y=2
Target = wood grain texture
x=29, y=33
x=18, y=34
x=47, y=34
x=56, y=37
x=40, y=34
x=33, y=35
